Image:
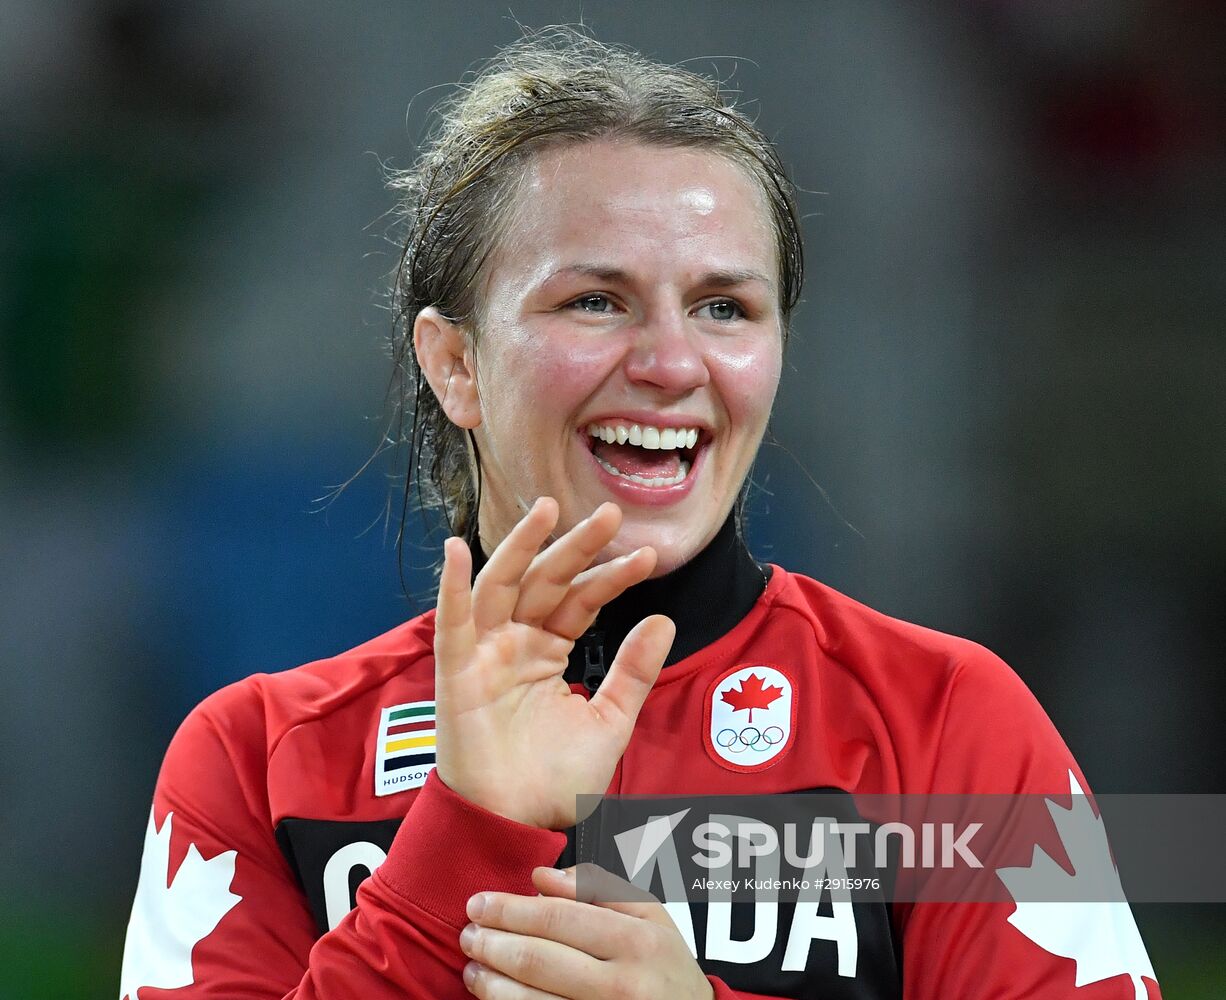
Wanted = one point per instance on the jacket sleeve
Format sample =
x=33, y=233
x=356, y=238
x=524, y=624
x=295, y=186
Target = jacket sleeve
x=217, y=910
x=994, y=738
x=722, y=991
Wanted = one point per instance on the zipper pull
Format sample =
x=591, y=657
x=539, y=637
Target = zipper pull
x=593, y=660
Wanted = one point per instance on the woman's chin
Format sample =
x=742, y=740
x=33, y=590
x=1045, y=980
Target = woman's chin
x=673, y=550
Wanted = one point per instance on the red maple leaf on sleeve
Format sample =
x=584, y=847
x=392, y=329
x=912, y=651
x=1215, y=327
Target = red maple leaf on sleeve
x=751, y=695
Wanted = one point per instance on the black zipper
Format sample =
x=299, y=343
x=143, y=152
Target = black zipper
x=593, y=659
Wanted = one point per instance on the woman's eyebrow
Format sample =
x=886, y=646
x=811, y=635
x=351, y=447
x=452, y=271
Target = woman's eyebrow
x=722, y=278
x=726, y=279
x=603, y=272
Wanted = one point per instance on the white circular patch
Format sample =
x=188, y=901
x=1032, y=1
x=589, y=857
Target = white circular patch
x=750, y=717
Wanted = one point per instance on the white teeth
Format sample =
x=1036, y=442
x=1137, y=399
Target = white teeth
x=645, y=436
x=682, y=471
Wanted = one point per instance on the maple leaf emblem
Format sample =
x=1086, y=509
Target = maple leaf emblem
x=751, y=694
x=169, y=920
x=1092, y=923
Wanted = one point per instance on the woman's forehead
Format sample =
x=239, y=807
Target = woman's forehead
x=627, y=205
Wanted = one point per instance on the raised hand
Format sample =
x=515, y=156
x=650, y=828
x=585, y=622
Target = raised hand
x=512, y=737
x=553, y=945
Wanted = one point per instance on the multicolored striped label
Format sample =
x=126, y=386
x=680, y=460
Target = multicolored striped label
x=404, y=753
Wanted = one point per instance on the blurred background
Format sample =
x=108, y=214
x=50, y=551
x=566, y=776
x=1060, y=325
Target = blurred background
x=1003, y=415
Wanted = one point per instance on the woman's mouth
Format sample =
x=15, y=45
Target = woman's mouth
x=645, y=455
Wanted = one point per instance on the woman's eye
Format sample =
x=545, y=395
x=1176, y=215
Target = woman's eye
x=724, y=310
x=593, y=304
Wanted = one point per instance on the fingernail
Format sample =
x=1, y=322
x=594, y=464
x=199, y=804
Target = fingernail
x=470, y=974
x=476, y=906
x=467, y=937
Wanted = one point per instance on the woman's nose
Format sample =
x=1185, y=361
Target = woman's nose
x=668, y=355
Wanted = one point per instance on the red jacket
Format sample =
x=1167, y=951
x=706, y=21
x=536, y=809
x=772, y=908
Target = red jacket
x=266, y=818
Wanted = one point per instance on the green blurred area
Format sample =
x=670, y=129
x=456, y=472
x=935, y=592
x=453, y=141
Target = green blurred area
x=58, y=956
x=1185, y=946
x=92, y=237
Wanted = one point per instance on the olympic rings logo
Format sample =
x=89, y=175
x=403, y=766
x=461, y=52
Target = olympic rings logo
x=749, y=738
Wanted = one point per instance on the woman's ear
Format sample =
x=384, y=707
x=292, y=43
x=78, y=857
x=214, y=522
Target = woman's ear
x=443, y=355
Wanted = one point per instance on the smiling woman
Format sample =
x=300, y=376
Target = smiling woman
x=581, y=201
x=601, y=259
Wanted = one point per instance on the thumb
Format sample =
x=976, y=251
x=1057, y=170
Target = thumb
x=635, y=669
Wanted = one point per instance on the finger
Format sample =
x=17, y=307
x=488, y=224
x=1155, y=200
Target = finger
x=598, y=887
x=545, y=965
x=496, y=591
x=549, y=578
x=489, y=984
x=556, y=917
x=454, y=634
x=635, y=669
x=596, y=587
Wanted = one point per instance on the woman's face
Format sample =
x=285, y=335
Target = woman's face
x=630, y=345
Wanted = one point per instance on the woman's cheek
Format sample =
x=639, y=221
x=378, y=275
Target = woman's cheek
x=567, y=365
x=748, y=374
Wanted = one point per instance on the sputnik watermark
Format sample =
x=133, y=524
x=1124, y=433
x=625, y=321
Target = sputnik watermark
x=941, y=845
x=726, y=856
x=907, y=848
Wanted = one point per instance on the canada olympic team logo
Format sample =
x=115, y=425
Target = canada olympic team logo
x=750, y=714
